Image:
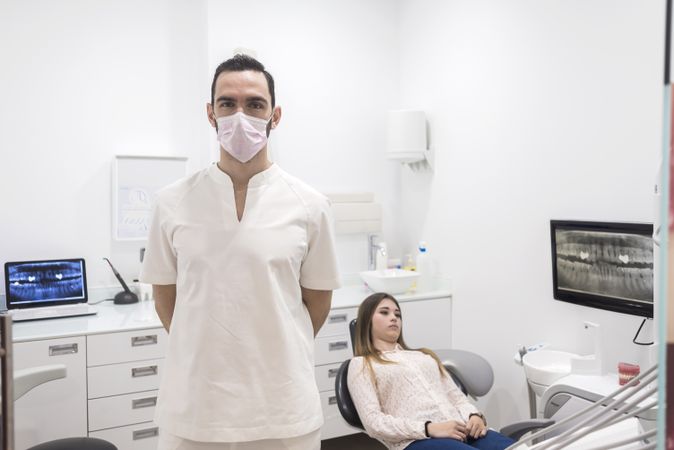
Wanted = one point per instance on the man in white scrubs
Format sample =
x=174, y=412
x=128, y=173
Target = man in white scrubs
x=242, y=262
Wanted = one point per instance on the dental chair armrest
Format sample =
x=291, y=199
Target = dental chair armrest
x=27, y=379
x=519, y=429
x=472, y=370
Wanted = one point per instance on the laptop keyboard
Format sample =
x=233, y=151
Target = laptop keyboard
x=51, y=312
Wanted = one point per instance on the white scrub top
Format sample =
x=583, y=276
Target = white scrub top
x=239, y=364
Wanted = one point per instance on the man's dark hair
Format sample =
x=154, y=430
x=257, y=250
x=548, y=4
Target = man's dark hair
x=239, y=63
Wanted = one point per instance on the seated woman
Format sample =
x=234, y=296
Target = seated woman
x=404, y=397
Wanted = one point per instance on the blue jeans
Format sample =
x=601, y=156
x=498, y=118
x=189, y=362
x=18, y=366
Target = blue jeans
x=491, y=441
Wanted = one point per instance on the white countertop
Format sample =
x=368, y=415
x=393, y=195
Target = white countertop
x=352, y=296
x=110, y=318
x=599, y=386
x=113, y=318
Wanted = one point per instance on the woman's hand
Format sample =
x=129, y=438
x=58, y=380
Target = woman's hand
x=451, y=429
x=475, y=428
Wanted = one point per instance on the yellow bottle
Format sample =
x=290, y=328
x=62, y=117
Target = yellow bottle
x=409, y=265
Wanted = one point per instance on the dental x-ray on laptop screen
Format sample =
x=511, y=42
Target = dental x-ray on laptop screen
x=46, y=289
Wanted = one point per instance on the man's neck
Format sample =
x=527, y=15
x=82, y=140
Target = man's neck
x=241, y=173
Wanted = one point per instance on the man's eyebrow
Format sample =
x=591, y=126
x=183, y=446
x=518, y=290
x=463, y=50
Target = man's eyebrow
x=254, y=98
x=257, y=99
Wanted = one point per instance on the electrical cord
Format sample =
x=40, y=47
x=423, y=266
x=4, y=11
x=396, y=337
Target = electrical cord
x=101, y=301
x=639, y=331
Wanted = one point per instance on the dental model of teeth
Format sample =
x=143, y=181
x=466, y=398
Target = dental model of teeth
x=626, y=372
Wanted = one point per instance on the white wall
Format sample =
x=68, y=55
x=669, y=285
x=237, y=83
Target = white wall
x=538, y=111
x=81, y=82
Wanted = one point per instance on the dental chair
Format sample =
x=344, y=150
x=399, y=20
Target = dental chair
x=15, y=384
x=471, y=373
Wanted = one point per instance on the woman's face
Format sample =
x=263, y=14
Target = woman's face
x=386, y=322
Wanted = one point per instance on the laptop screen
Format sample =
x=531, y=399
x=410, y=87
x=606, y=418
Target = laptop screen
x=32, y=284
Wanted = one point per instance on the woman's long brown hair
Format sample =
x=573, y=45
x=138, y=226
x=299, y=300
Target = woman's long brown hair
x=364, y=345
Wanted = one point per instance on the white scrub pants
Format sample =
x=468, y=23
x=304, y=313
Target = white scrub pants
x=311, y=441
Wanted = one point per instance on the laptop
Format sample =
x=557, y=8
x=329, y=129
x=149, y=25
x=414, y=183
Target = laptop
x=47, y=289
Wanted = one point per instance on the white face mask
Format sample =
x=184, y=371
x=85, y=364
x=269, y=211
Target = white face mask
x=242, y=136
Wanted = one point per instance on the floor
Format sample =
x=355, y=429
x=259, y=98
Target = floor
x=359, y=441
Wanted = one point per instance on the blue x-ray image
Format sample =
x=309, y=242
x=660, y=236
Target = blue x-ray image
x=45, y=281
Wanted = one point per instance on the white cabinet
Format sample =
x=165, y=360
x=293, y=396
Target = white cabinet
x=332, y=347
x=110, y=389
x=114, y=368
x=123, y=375
x=143, y=436
x=57, y=409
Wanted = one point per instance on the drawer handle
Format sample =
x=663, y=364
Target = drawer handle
x=337, y=318
x=339, y=345
x=332, y=373
x=144, y=402
x=65, y=349
x=146, y=433
x=332, y=400
x=138, y=341
x=144, y=371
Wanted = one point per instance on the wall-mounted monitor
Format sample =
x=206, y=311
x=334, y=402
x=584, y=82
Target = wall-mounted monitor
x=605, y=265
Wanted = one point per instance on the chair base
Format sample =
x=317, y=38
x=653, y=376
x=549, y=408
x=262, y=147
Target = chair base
x=82, y=443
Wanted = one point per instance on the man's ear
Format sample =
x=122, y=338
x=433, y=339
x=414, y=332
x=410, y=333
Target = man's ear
x=276, y=117
x=211, y=115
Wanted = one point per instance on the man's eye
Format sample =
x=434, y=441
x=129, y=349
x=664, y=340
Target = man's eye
x=256, y=106
x=226, y=104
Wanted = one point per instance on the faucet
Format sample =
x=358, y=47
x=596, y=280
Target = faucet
x=375, y=249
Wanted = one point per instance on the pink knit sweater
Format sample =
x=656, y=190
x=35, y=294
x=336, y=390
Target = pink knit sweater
x=407, y=395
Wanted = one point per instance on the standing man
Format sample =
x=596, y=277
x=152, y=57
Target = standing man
x=242, y=262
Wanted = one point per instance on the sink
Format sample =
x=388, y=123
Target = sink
x=391, y=281
x=544, y=367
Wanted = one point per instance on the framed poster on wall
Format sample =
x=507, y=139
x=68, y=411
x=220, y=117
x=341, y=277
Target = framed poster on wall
x=135, y=182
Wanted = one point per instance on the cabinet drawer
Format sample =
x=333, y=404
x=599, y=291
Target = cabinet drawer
x=325, y=376
x=332, y=349
x=56, y=409
x=334, y=425
x=143, y=436
x=337, y=322
x=126, y=378
x=121, y=410
x=115, y=348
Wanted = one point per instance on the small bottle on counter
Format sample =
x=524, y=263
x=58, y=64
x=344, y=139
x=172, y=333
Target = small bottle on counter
x=409, y=263
x=426, y=268
x=394, y=263
x=144, y=290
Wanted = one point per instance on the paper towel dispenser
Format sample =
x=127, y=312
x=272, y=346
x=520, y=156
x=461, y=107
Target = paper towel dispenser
x=406, y=139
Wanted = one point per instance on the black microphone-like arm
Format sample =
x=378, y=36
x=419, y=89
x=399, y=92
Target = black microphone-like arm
x=119, y=277
x=126, y=296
